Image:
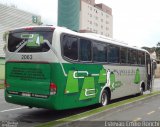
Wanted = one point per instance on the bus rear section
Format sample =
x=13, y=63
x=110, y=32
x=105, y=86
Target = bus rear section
x=28, y=69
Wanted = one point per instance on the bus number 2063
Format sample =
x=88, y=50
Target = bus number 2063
x=26, y=57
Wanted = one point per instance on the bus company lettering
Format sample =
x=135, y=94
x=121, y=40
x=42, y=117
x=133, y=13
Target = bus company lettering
x=126, y=72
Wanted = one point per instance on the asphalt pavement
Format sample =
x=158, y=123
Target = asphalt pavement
x=143, y=113
x=22, y=116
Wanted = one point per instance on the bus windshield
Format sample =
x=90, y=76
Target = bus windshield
x=34, y=39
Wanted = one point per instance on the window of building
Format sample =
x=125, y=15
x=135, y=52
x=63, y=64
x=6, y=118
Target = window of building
x=113, y=54
x=99, y=52
x=124, y=55
x=70, y=47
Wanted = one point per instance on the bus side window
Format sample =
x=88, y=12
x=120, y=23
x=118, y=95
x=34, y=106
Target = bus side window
x=70, y=47
x=124, y=55
x=133, y=55
x=141, y=58
x=113, y=54
x=85, y=50
x=99, y=52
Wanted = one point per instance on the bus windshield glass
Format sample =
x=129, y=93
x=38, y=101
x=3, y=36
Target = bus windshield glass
x=35, y=41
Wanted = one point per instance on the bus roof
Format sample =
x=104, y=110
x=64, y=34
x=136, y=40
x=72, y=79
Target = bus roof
x=99, y=37
x=93, y=36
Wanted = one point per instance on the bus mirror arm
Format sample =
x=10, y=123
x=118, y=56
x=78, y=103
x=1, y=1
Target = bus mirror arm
x=5, y=36
x=56, y=54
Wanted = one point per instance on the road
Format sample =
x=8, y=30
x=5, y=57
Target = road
x=146, y=110
x=23, y=116
x=139, y=113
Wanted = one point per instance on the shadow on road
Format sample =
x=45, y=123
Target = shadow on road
x=43, y=115
x=32, y=116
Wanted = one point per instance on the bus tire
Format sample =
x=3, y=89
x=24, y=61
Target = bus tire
x=104, y=98
x=141, y=90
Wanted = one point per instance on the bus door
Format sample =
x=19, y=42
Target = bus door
x=149, y=72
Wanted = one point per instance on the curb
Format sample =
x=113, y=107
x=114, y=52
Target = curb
x=108, y=111
x=121, y=108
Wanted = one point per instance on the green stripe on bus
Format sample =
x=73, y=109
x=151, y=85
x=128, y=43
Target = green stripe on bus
x=72, y=83
x=137, y=77
x=102, y=76
x=88, y=89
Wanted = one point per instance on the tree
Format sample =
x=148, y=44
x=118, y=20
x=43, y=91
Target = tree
x=158, y=50
x=150, y=50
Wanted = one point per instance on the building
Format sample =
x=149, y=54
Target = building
x=85, y=15
x=153, y=55
x=69, y=14
x=11, y=17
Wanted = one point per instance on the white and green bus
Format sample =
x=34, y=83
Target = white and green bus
x=56, y=68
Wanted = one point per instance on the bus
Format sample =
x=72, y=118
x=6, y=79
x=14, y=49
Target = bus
x=56, y=68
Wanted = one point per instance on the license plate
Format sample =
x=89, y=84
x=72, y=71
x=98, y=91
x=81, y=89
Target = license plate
x=26, y=94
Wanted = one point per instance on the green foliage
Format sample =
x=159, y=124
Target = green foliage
x=156, y=49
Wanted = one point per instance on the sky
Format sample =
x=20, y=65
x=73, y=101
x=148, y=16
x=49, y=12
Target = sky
x=136, y=22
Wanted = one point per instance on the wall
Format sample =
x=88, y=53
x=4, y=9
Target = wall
x=11, y=18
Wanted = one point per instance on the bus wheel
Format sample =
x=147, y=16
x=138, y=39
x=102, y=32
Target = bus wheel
x=30, y=107
x=141, y=90
x=104, y=98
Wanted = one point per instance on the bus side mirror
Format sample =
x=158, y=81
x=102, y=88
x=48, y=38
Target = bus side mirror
x=5, y=36
x=5, y=39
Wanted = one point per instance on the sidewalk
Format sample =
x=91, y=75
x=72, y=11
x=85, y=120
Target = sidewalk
x=156, y=86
